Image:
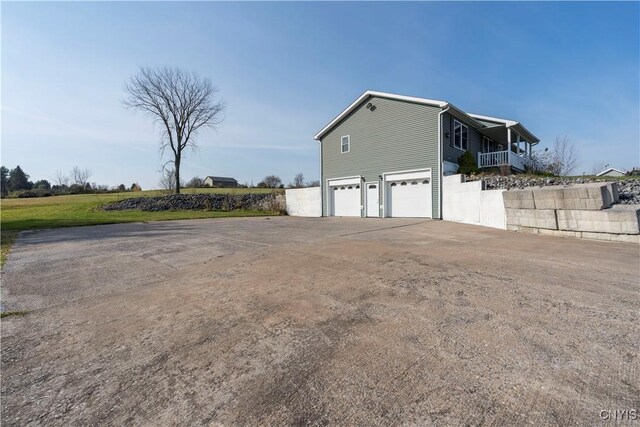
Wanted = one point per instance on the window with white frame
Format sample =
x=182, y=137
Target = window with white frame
x=345, y=144
x=460, y=135
x=487, y=144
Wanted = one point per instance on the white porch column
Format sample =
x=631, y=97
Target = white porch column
x=518, y=139
x=509, y=139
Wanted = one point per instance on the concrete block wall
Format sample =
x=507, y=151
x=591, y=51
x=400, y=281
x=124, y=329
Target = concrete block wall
x=586, y=210
x=532, y=218
x=615, y=220
x=304, y=201
x=519, y=199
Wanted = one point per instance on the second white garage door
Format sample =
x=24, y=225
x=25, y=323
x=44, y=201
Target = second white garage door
x=408, y=194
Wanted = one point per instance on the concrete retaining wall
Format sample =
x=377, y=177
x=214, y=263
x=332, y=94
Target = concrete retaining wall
x=304, y=201
x=587, y=211
x=468, y=203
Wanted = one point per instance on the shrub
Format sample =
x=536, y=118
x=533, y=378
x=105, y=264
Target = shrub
x=467, y=163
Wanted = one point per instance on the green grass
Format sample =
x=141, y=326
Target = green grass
x=12, y=313
x=84, y=209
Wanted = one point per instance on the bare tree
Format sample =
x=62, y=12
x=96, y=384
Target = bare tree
x=181, y=103
x=598, y=167
x=168, y=179
x=80, y=176
x=61, y=179
x=195, y=182
x=270, y=181
x=565, y=156
x=298, y=181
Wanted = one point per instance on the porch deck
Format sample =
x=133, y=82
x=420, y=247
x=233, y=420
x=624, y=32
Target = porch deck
x=503, y=158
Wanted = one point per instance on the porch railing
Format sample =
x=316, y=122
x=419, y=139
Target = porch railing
x=502, y=158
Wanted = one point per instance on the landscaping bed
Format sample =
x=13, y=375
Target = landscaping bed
x=628, y=188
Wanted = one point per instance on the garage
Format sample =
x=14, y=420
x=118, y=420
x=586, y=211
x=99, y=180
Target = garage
x=345, y=197
x=408, y=194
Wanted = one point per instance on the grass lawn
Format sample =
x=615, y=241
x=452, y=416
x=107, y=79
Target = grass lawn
x=83, y=209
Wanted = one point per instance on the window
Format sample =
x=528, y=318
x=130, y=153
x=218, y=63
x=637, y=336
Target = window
x=460, y=136
x=345, y=144
x=487, y=144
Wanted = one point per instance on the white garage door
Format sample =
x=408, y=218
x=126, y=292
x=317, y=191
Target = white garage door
x=345, y=197
x=408, y=194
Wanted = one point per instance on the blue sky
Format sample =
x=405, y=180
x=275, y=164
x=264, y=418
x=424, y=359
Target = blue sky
x=286, y=69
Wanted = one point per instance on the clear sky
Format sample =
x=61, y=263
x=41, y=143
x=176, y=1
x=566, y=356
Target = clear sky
x=286, y=69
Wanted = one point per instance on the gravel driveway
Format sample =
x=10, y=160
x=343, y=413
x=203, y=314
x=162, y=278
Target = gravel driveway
x=281, y=321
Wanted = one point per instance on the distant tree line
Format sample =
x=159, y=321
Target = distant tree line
x=15, y=183
x=167, y=181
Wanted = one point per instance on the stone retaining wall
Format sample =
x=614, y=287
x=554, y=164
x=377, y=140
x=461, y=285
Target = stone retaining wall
x=196, y=202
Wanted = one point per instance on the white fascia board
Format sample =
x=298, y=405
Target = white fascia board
x=493, y=119
x=508, y=123
x=369, y=93
x=469, y=118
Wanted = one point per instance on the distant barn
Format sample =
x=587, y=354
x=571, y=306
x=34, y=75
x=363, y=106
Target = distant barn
x=612, y=172
x=220, y=181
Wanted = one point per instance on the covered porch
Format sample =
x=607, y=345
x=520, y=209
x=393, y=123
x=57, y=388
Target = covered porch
x=506, y=145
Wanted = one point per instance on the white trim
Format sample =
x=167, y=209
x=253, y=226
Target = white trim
x=507, y=123
x=454, y=135
x=348, y=144
x=365, y=186
x=384, y=186
x=440, y=159
x=493, y=119
x=611, y=170
x=343, y=180
x=369, y=93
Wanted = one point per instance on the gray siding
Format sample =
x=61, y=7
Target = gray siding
x=396, y=136
x=451, y=153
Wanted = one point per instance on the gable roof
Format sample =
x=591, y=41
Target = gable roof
x=607, y=170
x=221, y=178
x=474, y=119
x=370, y=93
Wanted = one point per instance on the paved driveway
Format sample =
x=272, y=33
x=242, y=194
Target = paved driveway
x=256, y=321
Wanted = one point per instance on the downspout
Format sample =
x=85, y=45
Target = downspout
x=440, y=159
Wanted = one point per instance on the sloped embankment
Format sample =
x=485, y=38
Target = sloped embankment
x=198, y=202
x=628, y=188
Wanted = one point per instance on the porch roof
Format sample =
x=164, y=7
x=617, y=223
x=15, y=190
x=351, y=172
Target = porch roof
x=499, y=132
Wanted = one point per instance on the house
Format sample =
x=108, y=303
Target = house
x=220, y=181
x=384, y=155
x=612, y=172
